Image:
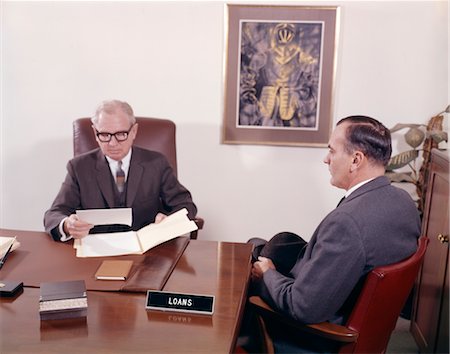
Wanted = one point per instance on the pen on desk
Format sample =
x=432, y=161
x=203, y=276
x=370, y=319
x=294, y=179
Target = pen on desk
x=7, y=253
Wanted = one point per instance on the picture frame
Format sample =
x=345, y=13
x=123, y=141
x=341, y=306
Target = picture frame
x=280, y=65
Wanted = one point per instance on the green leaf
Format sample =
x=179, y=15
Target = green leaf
x=414, y=137
x=438, y=135
x=402, y=159
x=400, y=177
x=400, y=126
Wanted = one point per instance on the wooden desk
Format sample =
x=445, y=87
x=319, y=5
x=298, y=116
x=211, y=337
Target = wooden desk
x=117, y=322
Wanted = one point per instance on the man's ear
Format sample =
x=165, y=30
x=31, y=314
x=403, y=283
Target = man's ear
x=135, y=129
x=358, y=158
x=94, y=131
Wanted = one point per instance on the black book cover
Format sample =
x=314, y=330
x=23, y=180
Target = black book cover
x=62, y=290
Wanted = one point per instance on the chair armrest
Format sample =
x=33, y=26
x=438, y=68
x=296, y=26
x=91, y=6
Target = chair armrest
x=200, y=222
x=324, y=329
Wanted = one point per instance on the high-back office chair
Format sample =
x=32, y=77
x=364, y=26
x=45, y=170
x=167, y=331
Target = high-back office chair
x=153, y=134
x=373, y=317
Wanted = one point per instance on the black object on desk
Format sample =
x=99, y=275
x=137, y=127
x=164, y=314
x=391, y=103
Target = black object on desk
x=170, y=301
x=63, y=299
x=9, y=288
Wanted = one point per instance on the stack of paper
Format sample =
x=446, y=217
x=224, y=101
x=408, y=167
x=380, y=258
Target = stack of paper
x=120, y=216
x=5, y=242
x=135, y=242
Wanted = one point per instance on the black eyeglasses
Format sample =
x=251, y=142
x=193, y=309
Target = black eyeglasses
x=106, y=137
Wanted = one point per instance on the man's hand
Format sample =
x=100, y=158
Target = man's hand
x=75, y=227
x=262, y=265
x=160, y=217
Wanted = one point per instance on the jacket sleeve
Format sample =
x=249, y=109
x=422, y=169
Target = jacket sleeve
x=65, y=203
x=323, y=279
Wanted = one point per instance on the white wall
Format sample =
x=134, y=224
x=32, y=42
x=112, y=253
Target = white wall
x=60, y=59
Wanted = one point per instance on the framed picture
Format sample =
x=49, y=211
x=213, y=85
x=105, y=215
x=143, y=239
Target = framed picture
x=279, y=74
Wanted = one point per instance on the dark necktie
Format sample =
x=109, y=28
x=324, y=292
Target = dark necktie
x=120, y=177
x=340, y=202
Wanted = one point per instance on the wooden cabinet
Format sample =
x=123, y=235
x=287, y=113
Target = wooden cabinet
x=429, y=322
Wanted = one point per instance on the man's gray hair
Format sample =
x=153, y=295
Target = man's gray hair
x=112, y=106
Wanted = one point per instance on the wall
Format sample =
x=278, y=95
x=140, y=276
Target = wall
x=60, y=59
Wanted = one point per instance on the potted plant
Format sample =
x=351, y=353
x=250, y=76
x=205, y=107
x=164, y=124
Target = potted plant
x=412, y=165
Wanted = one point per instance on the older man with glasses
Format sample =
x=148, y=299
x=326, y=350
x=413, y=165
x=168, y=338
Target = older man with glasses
x=117, y=174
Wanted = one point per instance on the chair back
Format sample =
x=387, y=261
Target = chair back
x=153, y=134
x=380, y=302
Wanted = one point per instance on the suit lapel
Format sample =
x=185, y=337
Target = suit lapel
x=103, y=177
x=135, y=173
x=376, y=183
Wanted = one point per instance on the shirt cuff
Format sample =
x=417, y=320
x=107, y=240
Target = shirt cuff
x=64, y=237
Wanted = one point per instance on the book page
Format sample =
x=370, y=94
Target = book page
x=174, y=225
x=108, y=244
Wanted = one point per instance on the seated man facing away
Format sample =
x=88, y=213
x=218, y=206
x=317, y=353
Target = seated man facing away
x=117, y=174
x=376, y=224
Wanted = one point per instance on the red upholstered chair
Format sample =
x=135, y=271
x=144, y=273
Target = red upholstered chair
x=153, y=134
x=373, y=317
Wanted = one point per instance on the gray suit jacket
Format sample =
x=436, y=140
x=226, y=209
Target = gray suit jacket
x=89, y=184
x=377, y=224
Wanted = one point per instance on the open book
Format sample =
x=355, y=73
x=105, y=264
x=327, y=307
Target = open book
x=135, y=242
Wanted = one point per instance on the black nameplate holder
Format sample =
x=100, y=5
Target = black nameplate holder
x=178, y=302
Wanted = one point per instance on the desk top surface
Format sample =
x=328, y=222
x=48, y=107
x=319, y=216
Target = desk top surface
x=57, y=261
x=118, y=322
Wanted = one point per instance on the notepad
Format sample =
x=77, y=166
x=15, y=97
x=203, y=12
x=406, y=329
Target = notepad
x=114, y=270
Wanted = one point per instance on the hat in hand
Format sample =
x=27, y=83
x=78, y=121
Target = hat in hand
x=284, y=249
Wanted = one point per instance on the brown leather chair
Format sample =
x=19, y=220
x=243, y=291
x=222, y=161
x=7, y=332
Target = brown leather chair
x=153, y=134
x=373, y=317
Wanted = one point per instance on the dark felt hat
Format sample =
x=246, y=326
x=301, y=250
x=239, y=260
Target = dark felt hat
x=283, y=249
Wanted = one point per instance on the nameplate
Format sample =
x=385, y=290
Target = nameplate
x=168, y=301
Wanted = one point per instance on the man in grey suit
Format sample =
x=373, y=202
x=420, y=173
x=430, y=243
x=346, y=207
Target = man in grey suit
x=376, y=224
x=117, y=174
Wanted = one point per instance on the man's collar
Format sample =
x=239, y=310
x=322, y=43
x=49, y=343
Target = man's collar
x=125, y=160
x=356, y=186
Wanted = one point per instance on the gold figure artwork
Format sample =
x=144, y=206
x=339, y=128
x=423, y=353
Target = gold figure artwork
x=280, y=71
